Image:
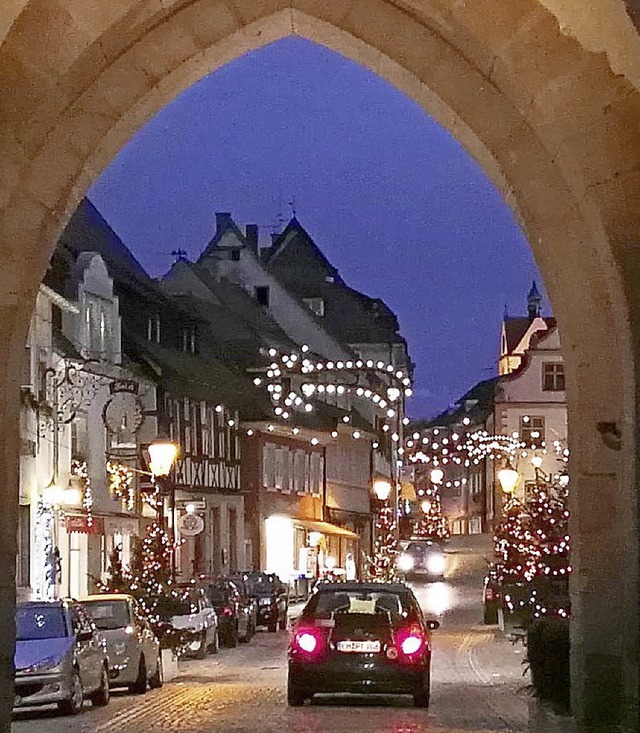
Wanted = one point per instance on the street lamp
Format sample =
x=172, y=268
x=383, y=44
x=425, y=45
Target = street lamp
x=382, y=489
x=508, y=478
x=162, y=456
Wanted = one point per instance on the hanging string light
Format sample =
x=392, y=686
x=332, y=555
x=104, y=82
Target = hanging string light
x=80, y=469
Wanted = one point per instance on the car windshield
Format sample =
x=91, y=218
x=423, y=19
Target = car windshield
x=168, y=607
x=355, y=601
x=262, y=585
x=40, y=622
x=423, y=548
x=109, y=614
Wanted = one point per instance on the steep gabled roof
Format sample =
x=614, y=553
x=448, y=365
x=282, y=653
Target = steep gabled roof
x=515, y=329
x=294, y=245
x=243, y=308
x=200, y=378
x=224, y=225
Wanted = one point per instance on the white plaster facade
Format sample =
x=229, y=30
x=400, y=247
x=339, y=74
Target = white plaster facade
x=527, y=400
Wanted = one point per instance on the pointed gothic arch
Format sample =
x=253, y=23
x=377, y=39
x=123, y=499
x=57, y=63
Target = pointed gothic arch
x=544, y=94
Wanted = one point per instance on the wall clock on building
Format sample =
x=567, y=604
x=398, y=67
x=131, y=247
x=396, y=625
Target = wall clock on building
x=123, y=415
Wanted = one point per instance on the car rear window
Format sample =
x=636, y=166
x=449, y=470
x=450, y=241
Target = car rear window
x=355, y=601
x=40, y=622
x=109, y=614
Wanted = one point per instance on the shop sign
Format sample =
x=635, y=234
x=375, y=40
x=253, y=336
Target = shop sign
x=190, y=525
x=79, y=523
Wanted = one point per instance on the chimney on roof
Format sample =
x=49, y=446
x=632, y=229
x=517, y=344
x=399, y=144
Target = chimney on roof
x=223, y=220
x=252, y=237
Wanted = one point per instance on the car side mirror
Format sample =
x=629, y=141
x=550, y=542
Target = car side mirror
x=433, y=624
x=85, y=635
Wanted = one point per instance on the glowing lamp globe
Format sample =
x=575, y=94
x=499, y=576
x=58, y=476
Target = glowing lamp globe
x=382, y=489
x=53, y=494
x=536, y=461
x=162, y=455
x=508, y=478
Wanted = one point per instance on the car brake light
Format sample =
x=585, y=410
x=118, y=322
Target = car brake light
x=308, y=641
x=411, y=641
x=411, y=644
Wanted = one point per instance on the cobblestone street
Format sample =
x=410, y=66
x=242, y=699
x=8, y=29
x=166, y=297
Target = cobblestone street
x=477, y=685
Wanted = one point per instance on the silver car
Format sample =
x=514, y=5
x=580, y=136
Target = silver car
x=60, y=657
x=135, y=660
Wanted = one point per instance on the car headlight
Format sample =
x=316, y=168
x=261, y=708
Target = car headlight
x=264, y=601
x=436, y=564
x=405, y=562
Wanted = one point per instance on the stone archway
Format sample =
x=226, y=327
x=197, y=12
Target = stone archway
x=551, y=118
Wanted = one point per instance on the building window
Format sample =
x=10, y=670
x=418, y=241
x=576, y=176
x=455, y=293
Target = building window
x=262, y=295
x=189, y=339
x=269, y=465
x=235, y=255
x=153, y=328
x=532, y=429
x=316, y=305
x=553, y=376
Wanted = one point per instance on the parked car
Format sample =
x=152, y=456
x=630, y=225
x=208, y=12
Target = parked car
x=358, y=637
x=422, y=559
x=250, y=601
x=60, y=657
x=235, y=620
x=272, y=597
x=191, y=612
x=133, y=649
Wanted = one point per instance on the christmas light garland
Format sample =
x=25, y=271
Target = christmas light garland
x=307, y=379
x=121, y=483
x=80, y=469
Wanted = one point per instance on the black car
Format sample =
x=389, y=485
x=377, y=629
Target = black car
x=271, y=596
x=363, y=638
x=235, y=620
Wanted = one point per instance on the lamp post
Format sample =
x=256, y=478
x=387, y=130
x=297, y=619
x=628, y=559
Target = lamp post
x=162, y=456
x=508, y=478
x=385, y=541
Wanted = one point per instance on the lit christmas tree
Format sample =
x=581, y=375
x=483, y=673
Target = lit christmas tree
x=432, y=524
x=382, y=565
x=514, y=545
x=150, y=567
x=549, y=514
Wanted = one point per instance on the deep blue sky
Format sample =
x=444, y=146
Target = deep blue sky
x=390, y=197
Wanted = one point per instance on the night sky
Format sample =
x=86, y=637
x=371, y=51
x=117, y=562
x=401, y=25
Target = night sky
x=391, y=199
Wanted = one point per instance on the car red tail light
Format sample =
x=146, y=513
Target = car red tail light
x=411, y=641
x=308, y=640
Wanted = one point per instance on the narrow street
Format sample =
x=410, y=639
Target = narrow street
x=477, y=683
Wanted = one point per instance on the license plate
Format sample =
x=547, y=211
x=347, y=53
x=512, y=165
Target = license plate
x=358, y=646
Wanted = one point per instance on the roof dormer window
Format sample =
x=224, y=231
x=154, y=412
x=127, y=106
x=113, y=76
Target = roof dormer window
x=189, y=339
x=153, y=328
x=262, y=295
x=316, y=305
